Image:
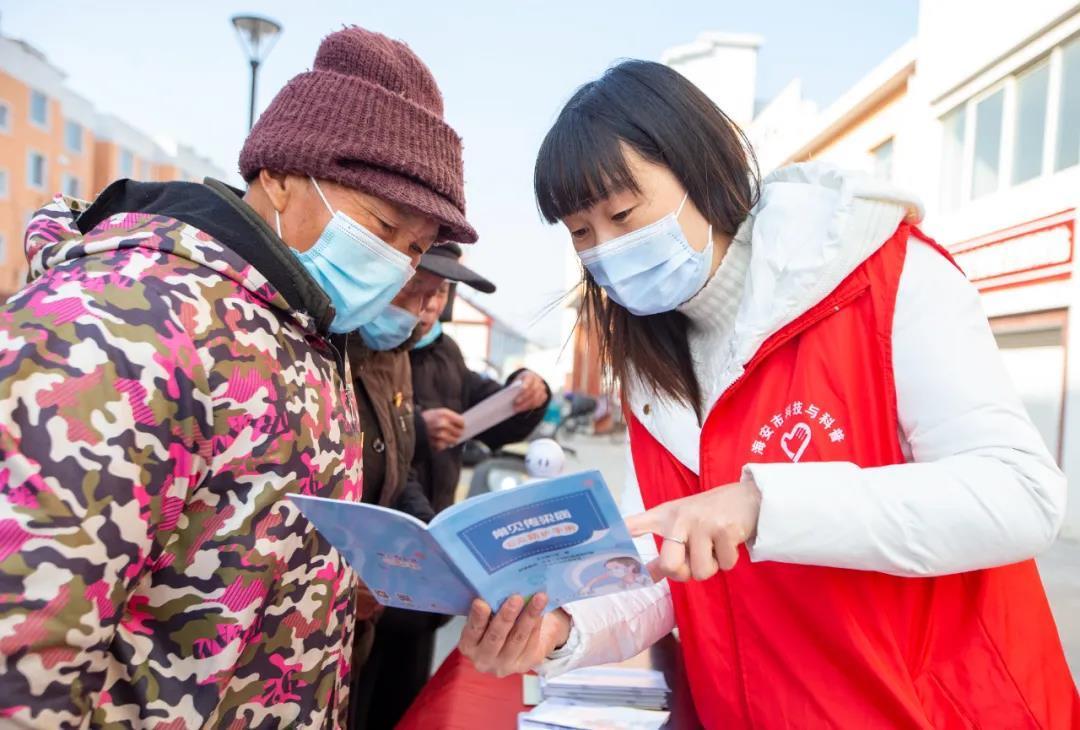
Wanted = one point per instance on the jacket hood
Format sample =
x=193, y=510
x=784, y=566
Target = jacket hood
x=812, y=227
x=205, y=223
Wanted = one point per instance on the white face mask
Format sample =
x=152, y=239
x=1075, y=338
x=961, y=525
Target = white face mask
x=359, y=271
x=653, y=269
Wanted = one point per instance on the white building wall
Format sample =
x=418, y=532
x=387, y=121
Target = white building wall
x=781, y=126
x=724, y=66
x=960, y=38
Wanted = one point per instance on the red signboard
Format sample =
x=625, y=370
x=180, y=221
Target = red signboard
x=1037, y=251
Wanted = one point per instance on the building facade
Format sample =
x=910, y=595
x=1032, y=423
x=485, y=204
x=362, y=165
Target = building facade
x=52, y=140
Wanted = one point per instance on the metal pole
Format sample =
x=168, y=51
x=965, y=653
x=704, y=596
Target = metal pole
x=251, y=112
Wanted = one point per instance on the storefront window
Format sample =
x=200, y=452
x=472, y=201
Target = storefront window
x=1030, y=131
x=1034, y=358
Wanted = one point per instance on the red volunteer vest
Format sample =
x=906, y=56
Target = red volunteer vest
x=772, y=645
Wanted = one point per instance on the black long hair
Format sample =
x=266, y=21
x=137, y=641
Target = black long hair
x=667, y=120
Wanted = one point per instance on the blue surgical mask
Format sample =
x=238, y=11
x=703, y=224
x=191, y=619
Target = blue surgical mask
x=431, y=336
x=653, y=269
x=390, y=328
x=360, y=272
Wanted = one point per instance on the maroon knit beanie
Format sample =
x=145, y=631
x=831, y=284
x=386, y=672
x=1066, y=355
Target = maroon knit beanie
x=370, y=117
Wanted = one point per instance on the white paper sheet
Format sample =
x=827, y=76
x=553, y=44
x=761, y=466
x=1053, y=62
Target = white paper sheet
x=490, y=411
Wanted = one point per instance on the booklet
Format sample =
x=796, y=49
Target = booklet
x=646, y=689
x=562, y=536
x=496, y=408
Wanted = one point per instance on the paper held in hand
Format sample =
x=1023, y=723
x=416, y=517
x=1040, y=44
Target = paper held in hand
x=492, y=410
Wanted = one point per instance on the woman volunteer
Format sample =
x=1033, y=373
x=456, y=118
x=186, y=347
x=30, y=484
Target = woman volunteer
x=822, y=429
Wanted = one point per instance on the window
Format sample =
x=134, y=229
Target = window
x=1029, y=133
x=5, y=117
x=73, y=136
x=39, y=108
x=5, y=185
x=127, y=163
x=883, y=155
x=3, y=247
x=71, y=186
x=987, y=162
x=952, y=157
x=1067, y=153
x=1026, y=127
x=36, y=170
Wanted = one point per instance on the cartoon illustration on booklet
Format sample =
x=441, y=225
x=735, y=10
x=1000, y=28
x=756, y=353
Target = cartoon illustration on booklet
x=564, y=536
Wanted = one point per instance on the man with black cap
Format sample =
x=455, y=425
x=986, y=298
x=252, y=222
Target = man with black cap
x=443, y=388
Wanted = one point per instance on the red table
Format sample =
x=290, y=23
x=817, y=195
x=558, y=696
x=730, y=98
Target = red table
x=459, y=697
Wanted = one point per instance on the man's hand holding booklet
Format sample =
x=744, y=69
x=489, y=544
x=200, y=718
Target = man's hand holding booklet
x=562, y=536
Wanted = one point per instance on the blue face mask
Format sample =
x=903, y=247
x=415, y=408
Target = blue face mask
x=390, y=328
x=431, y=336
x=358, y=271
x=651, y=270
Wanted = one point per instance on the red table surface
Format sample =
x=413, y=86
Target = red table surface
x=459, y=697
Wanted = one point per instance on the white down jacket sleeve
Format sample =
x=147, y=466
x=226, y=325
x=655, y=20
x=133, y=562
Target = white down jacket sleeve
x=981, y=489
x=616, y=627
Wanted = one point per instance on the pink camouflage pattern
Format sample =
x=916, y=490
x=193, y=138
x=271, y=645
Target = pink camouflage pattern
x=158, y=402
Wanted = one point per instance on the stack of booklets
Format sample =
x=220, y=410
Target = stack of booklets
x=601, y=697
x=642, y=688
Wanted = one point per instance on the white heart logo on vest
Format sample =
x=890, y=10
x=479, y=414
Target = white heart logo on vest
x=802, y=417
x=795, y=441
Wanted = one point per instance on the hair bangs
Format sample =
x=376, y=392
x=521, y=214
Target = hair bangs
x=580, y=163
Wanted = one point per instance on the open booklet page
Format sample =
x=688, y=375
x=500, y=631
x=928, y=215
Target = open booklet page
x=562, y=536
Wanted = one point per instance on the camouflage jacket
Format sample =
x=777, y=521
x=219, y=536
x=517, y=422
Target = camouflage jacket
x=159, y=398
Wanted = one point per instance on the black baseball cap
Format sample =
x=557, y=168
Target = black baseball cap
x=445, y=260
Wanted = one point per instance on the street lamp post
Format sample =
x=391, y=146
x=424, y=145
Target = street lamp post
x=257, y=36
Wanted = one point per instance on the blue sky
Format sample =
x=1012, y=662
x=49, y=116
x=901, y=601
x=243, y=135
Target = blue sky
x=504, y=68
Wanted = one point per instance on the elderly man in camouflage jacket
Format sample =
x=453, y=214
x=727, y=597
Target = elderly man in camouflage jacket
x=171, y=374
